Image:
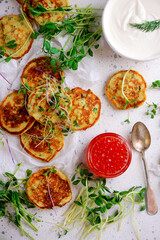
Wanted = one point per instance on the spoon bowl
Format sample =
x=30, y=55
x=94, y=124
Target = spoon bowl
x=141, y=141
x=141, y=138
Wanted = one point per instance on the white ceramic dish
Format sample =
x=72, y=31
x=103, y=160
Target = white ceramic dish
x=114, y=37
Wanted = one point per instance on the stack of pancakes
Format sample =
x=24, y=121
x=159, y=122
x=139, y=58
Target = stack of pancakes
x=41, y=112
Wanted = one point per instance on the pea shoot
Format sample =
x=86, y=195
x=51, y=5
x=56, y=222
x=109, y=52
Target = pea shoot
x=82, y=30
x=14, y=200
x=96, y=206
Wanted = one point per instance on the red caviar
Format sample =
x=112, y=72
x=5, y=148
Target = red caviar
x=109, y=155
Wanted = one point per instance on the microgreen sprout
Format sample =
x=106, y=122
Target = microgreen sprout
x=126, y=99
x=5, y=79
x=47, y=174
x=24, y=88
x=153, y=111
x=128, y=119
x=14, y=44
x=14, y=200
x=93, y=208
x=156, y=84
x=58, y=102
x=25, y=18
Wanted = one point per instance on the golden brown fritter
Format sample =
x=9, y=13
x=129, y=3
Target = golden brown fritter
x=15, y=28
x=49, y=103
x=14, y=117
x=36, y=72
x=86, y=107
x=42, y=142
x=134, y=89
x=48, y=4
x=39, y=186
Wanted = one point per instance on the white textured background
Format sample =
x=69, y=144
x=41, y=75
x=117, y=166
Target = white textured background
x=93, y=73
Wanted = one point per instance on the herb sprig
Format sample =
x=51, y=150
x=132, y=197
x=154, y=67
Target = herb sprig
x=91, y=209
x=153, y=111
x=148, y=26
x=82, y=32
x=154, y=107
x=155, y=84
x=14, y=200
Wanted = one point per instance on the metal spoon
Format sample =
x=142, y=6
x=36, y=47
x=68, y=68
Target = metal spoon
x=141, y=141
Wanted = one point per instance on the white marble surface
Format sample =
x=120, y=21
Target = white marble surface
x=95, y=74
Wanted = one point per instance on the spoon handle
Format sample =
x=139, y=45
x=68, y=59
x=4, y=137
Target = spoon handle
x=150, y=198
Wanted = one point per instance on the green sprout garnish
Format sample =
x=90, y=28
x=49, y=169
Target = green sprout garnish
x=96, y=206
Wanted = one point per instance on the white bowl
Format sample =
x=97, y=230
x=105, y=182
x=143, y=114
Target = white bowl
x=116, y=48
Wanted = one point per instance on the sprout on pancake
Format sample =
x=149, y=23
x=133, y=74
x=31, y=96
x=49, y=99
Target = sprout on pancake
x=49, y=75
x=47, y=134
x=28, y=23
x=53, y=101
x=47, y=174
x=24, y=88
x=13, y=54
x=126, y=99
x=10, y=44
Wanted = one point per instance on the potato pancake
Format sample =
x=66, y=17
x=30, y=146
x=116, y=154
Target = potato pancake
x=49, y=103
x=47, y=4
x=134, y=89
x=37, y=70
x=14, y=117
x=86, y=107
x=41, y=189
x=14, y=27
x=42, y=142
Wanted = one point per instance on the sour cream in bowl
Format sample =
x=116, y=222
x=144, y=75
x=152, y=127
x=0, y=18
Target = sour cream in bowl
x=125, y=40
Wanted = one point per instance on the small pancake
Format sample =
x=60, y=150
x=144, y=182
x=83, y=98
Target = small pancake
x=39, y=186
x=42, y=142
x=47, y=4
x=14, y=27
x=36, y=71
x=14, y=117
x=41, y=104
x=86, y=107
x=134, y=89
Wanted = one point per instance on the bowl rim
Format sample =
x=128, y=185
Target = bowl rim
x=114, y=49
